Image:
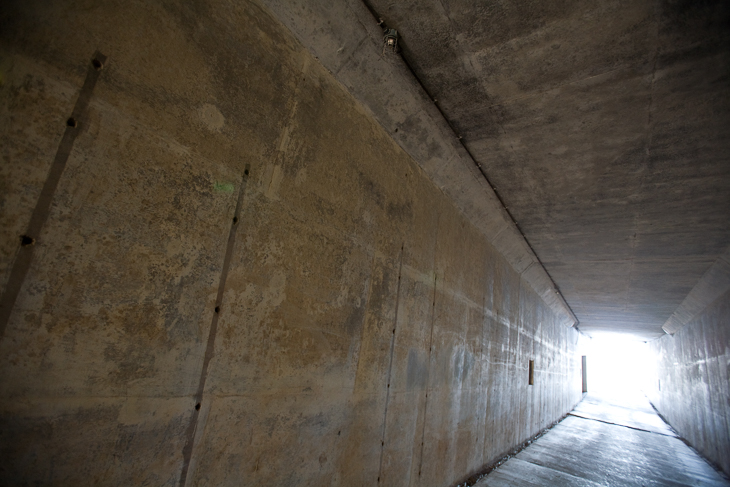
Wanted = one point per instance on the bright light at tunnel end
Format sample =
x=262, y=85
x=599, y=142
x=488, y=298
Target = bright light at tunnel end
x=619, y=365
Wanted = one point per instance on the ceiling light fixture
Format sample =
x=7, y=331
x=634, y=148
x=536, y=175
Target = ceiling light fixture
x=390, y=40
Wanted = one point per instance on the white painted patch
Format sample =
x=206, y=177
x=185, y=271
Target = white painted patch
x=211, y=117
x=272, y=188
x=284, y=139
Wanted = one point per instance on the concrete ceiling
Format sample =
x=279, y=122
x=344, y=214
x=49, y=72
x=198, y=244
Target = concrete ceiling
x=604, y=127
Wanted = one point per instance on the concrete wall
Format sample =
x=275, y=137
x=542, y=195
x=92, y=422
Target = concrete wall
x=691, y=389
x=365, y=328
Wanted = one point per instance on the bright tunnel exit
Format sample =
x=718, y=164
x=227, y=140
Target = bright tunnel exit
x=618, y=366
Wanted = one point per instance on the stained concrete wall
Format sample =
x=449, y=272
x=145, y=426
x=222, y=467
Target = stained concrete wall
x=347, y=39
x=365, y=329
x=691, y=389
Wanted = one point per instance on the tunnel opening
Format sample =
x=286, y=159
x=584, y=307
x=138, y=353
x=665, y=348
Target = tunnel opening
x=617, y=366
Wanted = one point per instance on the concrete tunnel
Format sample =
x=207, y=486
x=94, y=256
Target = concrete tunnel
x=349, y=243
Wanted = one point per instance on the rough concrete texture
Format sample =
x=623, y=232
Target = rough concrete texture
x=366, y=328
x=691, y=389
x=347, y=40
x=713, y=284
x=602, y=124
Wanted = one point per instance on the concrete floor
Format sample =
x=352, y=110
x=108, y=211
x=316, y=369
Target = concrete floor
x=607, y=442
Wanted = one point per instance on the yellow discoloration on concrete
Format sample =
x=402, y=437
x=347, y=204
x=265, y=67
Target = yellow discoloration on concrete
x=342, y=248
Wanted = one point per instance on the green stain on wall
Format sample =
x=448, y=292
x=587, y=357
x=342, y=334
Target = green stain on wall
x=223, y=187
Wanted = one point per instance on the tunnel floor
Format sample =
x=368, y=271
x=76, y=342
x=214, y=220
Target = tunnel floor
x=606, y=442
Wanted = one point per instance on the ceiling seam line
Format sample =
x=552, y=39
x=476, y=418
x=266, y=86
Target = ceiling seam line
x=381, y=22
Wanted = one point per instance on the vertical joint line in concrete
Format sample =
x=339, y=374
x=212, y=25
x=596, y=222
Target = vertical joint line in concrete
x=481, y=366
x=42, y=209
x=210, y=345
x=364, y=318
x=390, y=364
x=428, y=371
